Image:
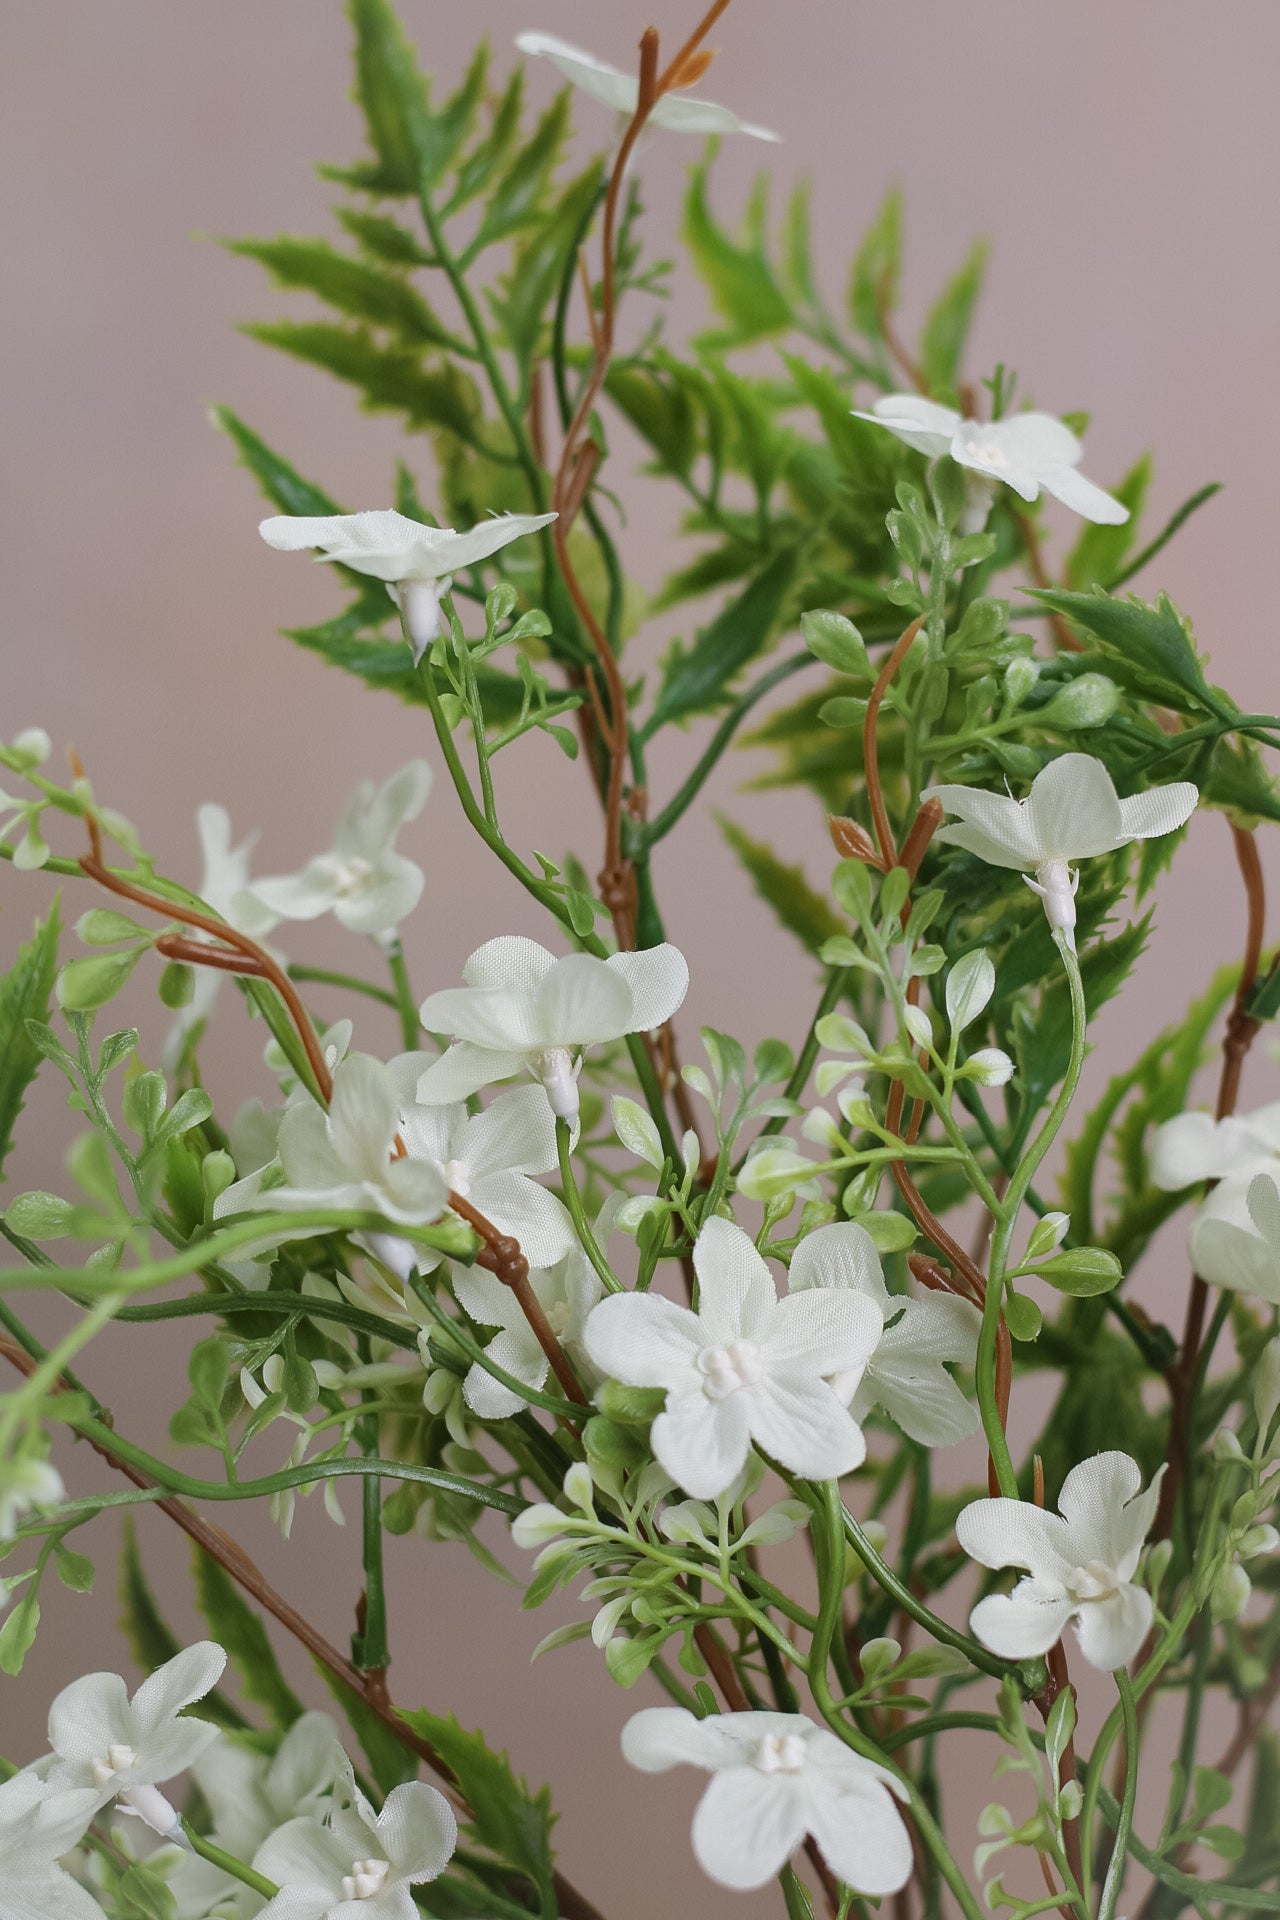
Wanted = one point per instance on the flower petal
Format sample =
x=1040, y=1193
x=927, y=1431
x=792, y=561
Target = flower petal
x=803, y=1426
x=685, y=113
x=465, y=549
x=528, y=1212
x=90, y=1715
x=1033, y=442
x=822, y=1330
x=1159, y=810
x=603, y=82
x=1023, y=1623
x=841, y=1255
x=388, y=896
x=1092, y=1498
x=921, y=1398
x=703, y=1444
x=187, y=1677
x=853, y=1818
x=464, y=1069
x=1111, y=1631
x=1194, y=1146
x=1074, y=810
x=501, y=1018
x=992, y=826
x=645, y=1340
x=1013, y=1533
x=418, y=1831
x=1227, y=1256
x=304, y=1853
x=363, y=1116
x=510, y=961
x=920, y=423
x=658, y=978
x=371, y=821
x=736, y=1296
x=1091, y=502
x=747, y=1825
x=582, y=1001
x=517, y=1130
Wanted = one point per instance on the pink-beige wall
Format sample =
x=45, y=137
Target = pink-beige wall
x=1124, y=161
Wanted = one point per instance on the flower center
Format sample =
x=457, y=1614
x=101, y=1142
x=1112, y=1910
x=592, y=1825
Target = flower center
x=558, y=1318
x=457, y=1177
x=364, y=1882
x=354, y=874
x=1056, y=886
x=118, y=1759
x=1093, y=1581
x=780, y=1753
x=989, y=452
x=725, y=1369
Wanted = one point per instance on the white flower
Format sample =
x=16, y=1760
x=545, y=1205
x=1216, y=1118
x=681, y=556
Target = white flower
x=906, y=1375
x=746, y=1367
x=775, y=1778
x=1232, y=1256
x=416, y=561
x=1071, y=813
x=121, y=1747
x=522, y=1010
x=678, y=111
x=1193, y=1147
x=26, y=1483
x=223, y=886
x=566, y=1294
x=362, y=880
x=488, y=1158
x=1028, y=451
x=38, y=1824
x=1080, y=1563
x=358, y=1866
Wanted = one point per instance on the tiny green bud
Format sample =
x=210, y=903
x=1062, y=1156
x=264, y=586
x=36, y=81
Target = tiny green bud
x=1087, y=701
x=878, y=1656
x=177, y=985
x=1019, y=677
x=33, y=745
x=217, y=1173
x=1231, y=1591
x=1048, y=1233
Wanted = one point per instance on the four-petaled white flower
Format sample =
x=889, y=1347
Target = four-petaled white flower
x=1030, y=452
x=1245, y=1260
x=123, y=1748
x=358, y=1866
x=1080, y=1563
x=522, y=1010
x=907, y=1374
x=362, y=880
x=678, y=111
x=26, y=1482
x=1194, y=1147
x=489, y=1159
x=1071, y=813
x=566, y=1294
x=39, y=1822
x=224, y=885
x=745, y=1367
x=416, y=561
x=776, y=1778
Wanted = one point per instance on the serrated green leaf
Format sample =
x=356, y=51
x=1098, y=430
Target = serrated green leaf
x=393, y=97
x=946, y=329
x=514, y=200
x=25, y=994
x=699, y=678
x=1149, y=649
x=235, y=1626
x=390, y=1761
x=521, y=304
x=506, y=1818
x=351, y=285
x=877, y=265
x=281, y=483
x=383, y=237
x=801, y=909
x=739, y=278
x=389, y=378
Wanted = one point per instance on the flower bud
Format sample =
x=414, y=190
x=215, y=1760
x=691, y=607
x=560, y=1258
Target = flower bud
x=1231, y=1592
x=34, y=746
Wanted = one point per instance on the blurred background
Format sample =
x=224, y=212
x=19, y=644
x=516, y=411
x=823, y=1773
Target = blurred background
x=1124, y=164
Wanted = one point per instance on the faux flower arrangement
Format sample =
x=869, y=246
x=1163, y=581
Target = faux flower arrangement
x=541, y=1288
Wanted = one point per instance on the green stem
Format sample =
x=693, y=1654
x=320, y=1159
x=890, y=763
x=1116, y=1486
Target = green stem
x=657, y=828
x=228, y=1863
x=1124, y=1825
x=833, y=992
x=370, y=1648
x=404, y=1002
x=459, y=1337
x=573, y=1200
x=348, y=982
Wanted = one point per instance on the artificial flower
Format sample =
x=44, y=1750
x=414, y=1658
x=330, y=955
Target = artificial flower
x=523, y=1010
x=776, y=1778
x=678, y=111
x=1080, y=1563
x=416, y=561
x=362, y=880
x=745, y=1367
x=123, y=1748
x=40, y=1822
x=1232, y=1256
x=1071, y=813
x=26, y=1482
x=358, y=1865
x=224, y=884
x=1030, y=452
x=566, y=1294
x=490, y=1159
x=907, y=1373
x=1193, y=1147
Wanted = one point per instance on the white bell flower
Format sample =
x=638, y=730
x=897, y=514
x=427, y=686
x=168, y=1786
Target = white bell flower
x=490, y=1159
x=1193, y=1147
x=566, y=1294
x=358, y=1865
x=524, y=1010
x=26, y=1483
x=416, y=561
x=678, y=111
x=1080, y=1563
x=745, y=1367
x=224, y=883
x=39, y=1823
x=1030, y=452
x=1245, y=1259
x=123, y=1748
x=775, y=1778
x=362, y=880
x=907, y=1374
x=1071, y=813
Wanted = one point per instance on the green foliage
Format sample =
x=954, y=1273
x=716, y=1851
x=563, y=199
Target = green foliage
x=699, y=678
x=235, y=1626
x=506, y=1819
x=801, y=910
x=738, y=275
x=946, y=329
x=25, y=994
x=390, y=1761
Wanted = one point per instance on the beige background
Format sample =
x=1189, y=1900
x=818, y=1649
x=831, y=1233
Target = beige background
x=1124, y=161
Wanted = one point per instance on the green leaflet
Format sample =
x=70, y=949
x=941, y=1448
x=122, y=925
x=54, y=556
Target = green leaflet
x=25, y=994
x=149, y=1634
x=877, y=268
x=389, y=378
x=698, y=678
x=234, y=1625
x=524, y=295
x=801, y=909
x=738, y=276
x=946, y=329
x=282, y=484
x=514, y=201
x=353, y=286
x=392, y=95
x=506, y=1818
x=1099, y=553
x=1150, y=649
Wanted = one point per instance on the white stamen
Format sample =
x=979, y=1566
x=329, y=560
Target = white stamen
x=1093, y=1581
x=780, y=1753
x=365, y=1879
x=725, y=1370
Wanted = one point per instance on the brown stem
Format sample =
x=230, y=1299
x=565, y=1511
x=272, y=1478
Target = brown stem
x=503, y=1257
x=870, y=749
x=231, y=1556
x=1043, y=578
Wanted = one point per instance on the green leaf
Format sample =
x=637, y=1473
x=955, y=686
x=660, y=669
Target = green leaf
x=145, y=1895
x=148, y=1633
x=1149, y=649
x=801, y=909
x=389, y=378
x=835, y=641
x=538, y=266
x=439, y=135
x=1098, y=555
x=393, y=97
x=235, y=1626
x=17, y=1634
x=75, y=1570
x=24, y=995
x=353, y=286
x=506, y=1818
x=946, y=329
x=1082, y=1271
x=513, y=203
x=637, y=1132
x=390, y=1761
x=384, y=237
x=873, y=282
x=85, y=984
x=739, y=278
x=283, y=486
x=698, y=678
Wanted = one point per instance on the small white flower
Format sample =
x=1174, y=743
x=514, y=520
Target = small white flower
x=224, y=882
x=26, y=1483
x=907, y=1374
x=566, y=1294
x=40, y=1822
x=123, y=1748
x=746, y=1367
x=1029, y=452
x=362, y=880
x=1233, y=1256
x=775, y=1778
x=522, y=1010
x=359, y=1866
x=678, y=111
x=1071, y=813
x=416, y=561
x=1194, y=1147
x=1080, y=1563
